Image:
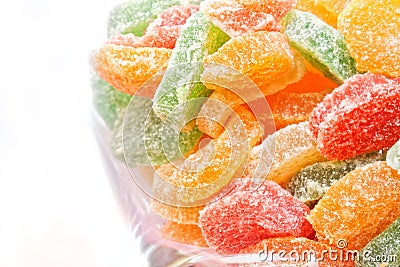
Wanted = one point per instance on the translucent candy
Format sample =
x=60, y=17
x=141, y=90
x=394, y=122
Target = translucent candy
x=235, y=19
x=358, y=207
x=383, y=250
x=181, y=81
x=312, y=82
x=311, y=183
x=128, y=68
x=371, y=29
x=245, y=217
x=393, y=156
x=360, y=116
x=283, y=154
x=183, y=233
x=277, y=8
x=320, y=44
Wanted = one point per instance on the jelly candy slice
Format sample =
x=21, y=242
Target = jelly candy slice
x=283, y=154
x=128, y=68
x=311, y=183
x=183, y=233
x=360, y=116
x=371, y=29
x=358, y=207
x=393, y=156
x=383, y=250
x=181, y=81
x=245, y=217
x=320, y=44
x=277, y=8
x=312, y=82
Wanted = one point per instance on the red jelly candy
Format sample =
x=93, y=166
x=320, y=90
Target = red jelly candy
x=360, y=116
x=244, y=216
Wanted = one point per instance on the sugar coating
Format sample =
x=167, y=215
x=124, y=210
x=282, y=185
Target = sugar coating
x=277, y=8
x=311, y=183
x=359, y=206
x=283, y=154
x=320, y=44
x=235, y=19
x=360, y=116
x=199, y=37
x=128, y=68
x=371, y=29
x=393, y=156
x=383, y=249
x=245, y=217
x=178, y=214
x=183, y=233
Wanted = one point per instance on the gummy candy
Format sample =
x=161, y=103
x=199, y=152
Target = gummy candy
x=393, y=156
x=358, y=207
x=183, y=233
x=360, y=116
x=311, y=183
x=383, y=249
x=277, y=8
x=245, y=217
x=371, y=29
x=320, y=44
x=312, y=82
x=283, y=154
x=181, y=81
x=235, y=19
x=128, y=68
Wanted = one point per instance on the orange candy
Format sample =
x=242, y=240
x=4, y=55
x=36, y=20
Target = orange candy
x=313, y=81
x=183, y=233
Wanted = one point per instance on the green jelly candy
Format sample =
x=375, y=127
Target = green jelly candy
x=108, y=101
x=383, y=250
x=134, y=16
x=311, y=183
x=393, y=157
x=320, y=44
x=199, y=37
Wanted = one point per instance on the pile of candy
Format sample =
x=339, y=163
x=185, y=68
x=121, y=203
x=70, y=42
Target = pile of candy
x=270, y=125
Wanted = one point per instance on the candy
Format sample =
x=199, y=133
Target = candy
x=283, y=154
x=393, y=156
x=383, y=249
x=245, y=217
x=128, y=68
x=321, y=45
x=277, y=8
x=235, y=19
x=312, y=82
x=311, y=183
x=183, y=233
x=181, y=81
x=371, y=29
x=358, y=207
x=360, y=116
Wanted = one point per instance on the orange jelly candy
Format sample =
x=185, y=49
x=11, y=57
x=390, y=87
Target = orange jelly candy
x=183, y=233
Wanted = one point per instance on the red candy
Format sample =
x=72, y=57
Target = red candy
x=360, y=116
x=244, y=217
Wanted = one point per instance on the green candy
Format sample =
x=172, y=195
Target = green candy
x=383, y=250
x=108, y=102
x=134, y=16
x=311, y=183
x=320, y=44
x=393, y=157
x=199, y=37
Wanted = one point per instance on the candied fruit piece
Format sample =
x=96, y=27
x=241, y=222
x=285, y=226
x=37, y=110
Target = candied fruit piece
x=312, y=82
x=371, y=29
x=393, y=156
x=360, y=116
x=245, y=217
x=183, y=233
x=358, y=207
x=277, y=8
x=312, y=7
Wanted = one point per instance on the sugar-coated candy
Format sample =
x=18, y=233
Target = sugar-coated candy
x=246, y=216
x=183, y=233
x=320, y=44
x=181, y=82
x=360, y=116
x=283, y=154
x=312, y=82
x=311, y=183
x=300, y=251
x=277, y=8
x=235, y=19
x=128, y=68
x=358, y=207
x=383, y=250
x=371, y=29
x=393, y=156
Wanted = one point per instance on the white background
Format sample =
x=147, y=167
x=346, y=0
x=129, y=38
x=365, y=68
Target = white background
x=56, y=206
